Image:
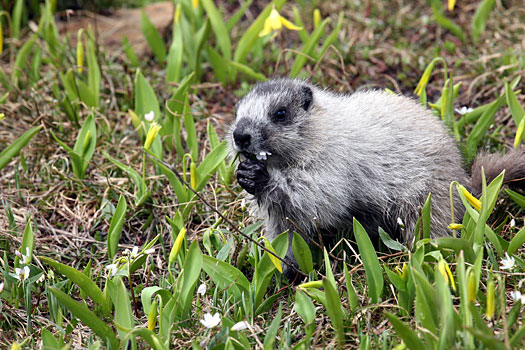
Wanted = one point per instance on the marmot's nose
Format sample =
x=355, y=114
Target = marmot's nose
x=242, y=140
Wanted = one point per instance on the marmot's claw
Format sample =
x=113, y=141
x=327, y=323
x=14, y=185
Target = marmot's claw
x=253, y=176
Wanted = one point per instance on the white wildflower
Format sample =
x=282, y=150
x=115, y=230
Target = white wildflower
x=517, y=296
x=202, y=289
x=41, y=278
x=22, y=274
x=1, y=287
x=240, y=326
x=400, y=222
x=149, y=251
x=512, y=223
x=149, y=116
x=113, y=269
x=210, y=321
x=507, y=263
x=463, y=110
x=133, y=253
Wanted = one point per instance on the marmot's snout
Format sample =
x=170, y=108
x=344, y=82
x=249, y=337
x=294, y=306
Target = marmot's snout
x=241, y=136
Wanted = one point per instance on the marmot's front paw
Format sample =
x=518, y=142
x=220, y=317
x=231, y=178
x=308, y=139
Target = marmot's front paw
x=253, y=176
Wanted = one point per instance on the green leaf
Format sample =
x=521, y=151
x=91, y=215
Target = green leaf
x=480, y=17
x=153, y=37
x=146, y=102
x=175, y=54
x=93, y=69
x=264, y=270
x=115, y=227
x=515, y=107
x=85, y=93
x=16, y=18
x=275, y=261
x=192, y=270
x=226, y=276
x=333, y=36
x=302, y=253
x=219, y=28
x=516, y=197
x=130, y=53
x=123, y=313
x=81, y=280
x=457, y=244
x=234, y=19
x=389, y=242
x=13, y=149
x=21, y=60
x=85, y=144
x=374, y=275
x=350, y=290
x=208, y=166
x=218, y=64
x=304, y=307
x=271, y=333
x=149, y=293
x=141, y=191
x=447, y=330
x=517, y=337
x=425, y=218
x=191, y=133
x=27, y=241
x=247, y=70
x=482, y=126
x=334, y=310
x=445, y=22
x=410, y=338
x=308, y=48
x=87, y=317
x=517, y=241
x=151, y=338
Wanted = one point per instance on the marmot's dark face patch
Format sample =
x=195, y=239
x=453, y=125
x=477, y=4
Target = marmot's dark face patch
x=269, y=120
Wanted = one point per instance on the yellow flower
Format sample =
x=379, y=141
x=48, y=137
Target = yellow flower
x=193, y=175
x=311, y=284
x=195, y=3
x=80, y=52
x=275, y=22
x=317, y=18
x=470, y=198
x=152, y=134
x=455, y=227
x=519, y=132
x=471, y=287
x=152, y=315
x=446, y=273
x=275, y=261
x=451, y=4
x=176, y=17
x=490, y=299
x=2, y=115
x=176, y=246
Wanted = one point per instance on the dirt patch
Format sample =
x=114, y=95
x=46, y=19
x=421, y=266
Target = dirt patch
x=111, y=28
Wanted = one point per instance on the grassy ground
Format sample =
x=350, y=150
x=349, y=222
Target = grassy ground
x=380, y=45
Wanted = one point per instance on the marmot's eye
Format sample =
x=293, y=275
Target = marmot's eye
x=280, y=114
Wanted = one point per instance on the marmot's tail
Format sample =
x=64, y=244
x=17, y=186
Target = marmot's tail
x=513, y=162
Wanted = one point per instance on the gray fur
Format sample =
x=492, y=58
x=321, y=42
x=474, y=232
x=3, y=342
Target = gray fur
x=370, y=155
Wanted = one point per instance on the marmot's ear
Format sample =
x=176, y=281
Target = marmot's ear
x=307, y=97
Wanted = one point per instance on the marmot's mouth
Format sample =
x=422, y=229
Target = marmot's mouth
x=262, y=155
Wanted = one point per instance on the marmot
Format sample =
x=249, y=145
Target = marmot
x=318, y=159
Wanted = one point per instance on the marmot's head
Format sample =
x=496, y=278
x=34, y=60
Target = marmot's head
x=272, y=121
